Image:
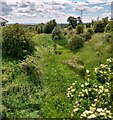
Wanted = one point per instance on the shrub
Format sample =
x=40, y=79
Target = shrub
x=16, y=42
x=77, y=42
x=94, y=101
x=40, y=28
x=56, y=33
x=86, y=36
x=91, y=31
x=99, y=27
x=107, y=37
x=80, y=29
x=70, y=27
x=50, y=26
x=109, y=27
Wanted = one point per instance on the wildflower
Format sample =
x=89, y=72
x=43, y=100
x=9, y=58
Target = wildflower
x=106, y=90
x=99, y=110
x=76, y=109
x=73, y=90
x=73, y=84
x=96, y=70
x=92, y=116
x=82, y=85
x=87, y=71
x=92, y=109
x=86, y=83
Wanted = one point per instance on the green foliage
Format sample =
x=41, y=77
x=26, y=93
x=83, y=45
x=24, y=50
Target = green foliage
x=70, y=27
x=94, y=100
x=21, y=89
x=50, y=26
x=17, y=42
x=104, y=71
x=79, y=29
x=86, y=35
x=74, y=21
x=99, y=27
x=56, y=33
x=109, y=27
x=23, y=97
x=40, y=28
x=76, y=42
x=88, y=25
x=108, y=37
x=91, y=31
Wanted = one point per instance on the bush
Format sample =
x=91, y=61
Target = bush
x=91, y=31
x=70, y=27
x=80, y=29
x=56, y=33
x=16, y=42
x=94, y=101
x=86, y=36
x=50, y=26
x=107, y=37
x=109, y=27
x=99, y=27
x=40, y=28
x=76, y=42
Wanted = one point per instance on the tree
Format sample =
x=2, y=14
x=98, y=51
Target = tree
x=50, y=26
x=74, y=21
x=56, y=33
x=80, y=29
x=105, y=21
x=40, y=28
x=98, y=27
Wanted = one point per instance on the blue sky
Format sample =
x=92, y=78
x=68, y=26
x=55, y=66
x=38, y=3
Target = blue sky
x=38, y=11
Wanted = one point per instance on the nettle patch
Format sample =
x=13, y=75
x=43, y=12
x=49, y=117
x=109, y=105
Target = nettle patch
x=95, y=98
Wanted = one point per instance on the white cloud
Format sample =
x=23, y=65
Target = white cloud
x=43, y=10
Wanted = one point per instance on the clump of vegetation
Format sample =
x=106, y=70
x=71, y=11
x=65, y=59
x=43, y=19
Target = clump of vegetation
x=100, y=25
x=70, y=27
x=79, y=29
x=109, y=27
x=86, y=35
x=50, y=26
x=17, y=42
x=76, y=42
x=94, y=100
x=91, y=31
x=40, y=28
x=56, y=33
x=108, y=37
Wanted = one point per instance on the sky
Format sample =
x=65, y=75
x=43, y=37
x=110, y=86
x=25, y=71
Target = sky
x=41, y=11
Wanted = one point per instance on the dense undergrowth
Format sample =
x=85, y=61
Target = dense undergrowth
x=37, y=86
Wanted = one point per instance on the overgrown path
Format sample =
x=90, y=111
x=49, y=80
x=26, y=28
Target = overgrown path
x=57, y=77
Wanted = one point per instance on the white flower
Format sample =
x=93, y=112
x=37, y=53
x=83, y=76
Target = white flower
x=91, y=116
x=95, y=100
x=106, y=90
x=96, y=70
x=82, y=85
x=99, y=109
x=86, y=83
x=68, y=88
x=76, y=109
x=92, y=108
x=73, y=84
x=87, y=71
x=73, y=90
x=102, y=113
